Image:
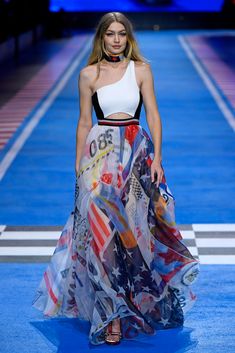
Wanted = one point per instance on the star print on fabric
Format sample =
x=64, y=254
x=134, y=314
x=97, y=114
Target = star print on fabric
x=143, y=268
x=164, y=321
x=144, y=177
x=156, y=277
x=115, y=248
x=135, y=326
x=146, y=289
x=151, y=225
x=129, y=253
x=121, y=290
x=121, y=249
x=125, y=198
x=116, y=272
x=138, y=278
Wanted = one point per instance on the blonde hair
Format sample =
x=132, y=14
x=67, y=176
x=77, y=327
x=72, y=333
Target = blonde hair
x=131, y=51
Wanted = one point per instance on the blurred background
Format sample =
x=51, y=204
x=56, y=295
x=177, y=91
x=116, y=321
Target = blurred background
x=58, y=17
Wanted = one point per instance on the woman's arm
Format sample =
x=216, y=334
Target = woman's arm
x=153, y=119
x=85, y=117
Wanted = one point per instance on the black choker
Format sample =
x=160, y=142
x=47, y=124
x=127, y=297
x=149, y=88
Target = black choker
x=114, y=58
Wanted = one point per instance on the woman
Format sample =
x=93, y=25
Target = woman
x=120, y=261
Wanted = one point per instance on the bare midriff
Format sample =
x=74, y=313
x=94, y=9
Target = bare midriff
x=117, y=116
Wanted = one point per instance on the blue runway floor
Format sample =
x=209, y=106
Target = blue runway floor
x=199, y=162
x=209, y=326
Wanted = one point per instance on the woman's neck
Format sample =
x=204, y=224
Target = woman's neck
x=114, y=57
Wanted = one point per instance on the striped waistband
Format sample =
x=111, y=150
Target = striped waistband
x=118, y=122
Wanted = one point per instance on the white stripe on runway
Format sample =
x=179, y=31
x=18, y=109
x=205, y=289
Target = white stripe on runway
x=209, y=84
x=193, y=250
x=48, y=235
x=220, y=227
x=215, y=243
x=26, y=250
x=41, y=235
x=217, y=259
x=39, y=113
x=187, y=234
x=2, y=227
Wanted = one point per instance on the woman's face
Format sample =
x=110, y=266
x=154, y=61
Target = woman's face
x=115, y=38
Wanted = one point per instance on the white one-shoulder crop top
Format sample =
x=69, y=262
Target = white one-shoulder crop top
x=122, y=96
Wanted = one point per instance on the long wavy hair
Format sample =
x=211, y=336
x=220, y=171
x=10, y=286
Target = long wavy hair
x=131, y=51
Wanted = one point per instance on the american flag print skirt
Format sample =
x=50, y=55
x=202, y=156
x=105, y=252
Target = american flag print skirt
x=120, y=253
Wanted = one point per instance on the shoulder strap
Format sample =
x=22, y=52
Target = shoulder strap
x=132, y=69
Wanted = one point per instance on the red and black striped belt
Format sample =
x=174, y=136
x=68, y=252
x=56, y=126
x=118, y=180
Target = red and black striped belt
x=118, y=122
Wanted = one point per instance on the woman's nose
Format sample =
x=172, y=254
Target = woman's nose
x=116, y=38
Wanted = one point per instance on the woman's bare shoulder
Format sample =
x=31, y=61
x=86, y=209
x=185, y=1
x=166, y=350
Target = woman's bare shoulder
x=142, y=66
x=143, y=71
x=89, y=72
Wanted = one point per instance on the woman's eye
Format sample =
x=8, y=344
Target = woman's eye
x=110, y=34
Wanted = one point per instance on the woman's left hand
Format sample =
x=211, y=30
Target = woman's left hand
x=156, y=168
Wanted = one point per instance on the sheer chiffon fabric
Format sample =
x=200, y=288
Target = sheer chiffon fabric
x=120, y=253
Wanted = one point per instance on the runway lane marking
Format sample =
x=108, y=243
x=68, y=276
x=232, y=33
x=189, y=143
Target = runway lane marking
x=210, y=243
x=220, y=101
x=40, y=112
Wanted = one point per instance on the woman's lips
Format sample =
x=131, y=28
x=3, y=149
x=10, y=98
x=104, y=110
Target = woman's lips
x=116, y=46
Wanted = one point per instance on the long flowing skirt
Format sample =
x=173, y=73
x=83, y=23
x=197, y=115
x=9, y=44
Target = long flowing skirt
x=120, y=253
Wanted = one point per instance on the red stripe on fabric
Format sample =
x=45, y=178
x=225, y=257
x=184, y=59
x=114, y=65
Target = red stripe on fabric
x=100, y=220
x=52, y=295
x=95, y=247
x=96, y=232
